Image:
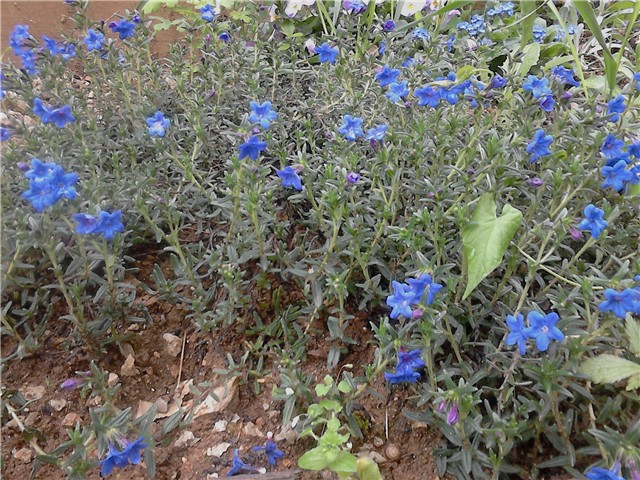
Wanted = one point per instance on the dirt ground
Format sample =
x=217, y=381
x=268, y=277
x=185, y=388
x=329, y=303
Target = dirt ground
x=156, y=373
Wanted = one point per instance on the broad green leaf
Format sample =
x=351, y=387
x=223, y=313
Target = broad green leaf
x=632, y=330
x=288, y=27
x=485, y=239
x=588, y=15
x=464, y=72
x=527, y=7
x=312, y=460
x=344, y=386
x=609, y=368
x=151, y=6
x=530, y=58
x=368, y=469
x=344, y=462
x=634, y=382
x=596, y=82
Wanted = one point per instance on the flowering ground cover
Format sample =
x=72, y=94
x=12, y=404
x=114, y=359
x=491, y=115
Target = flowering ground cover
x=324, y=240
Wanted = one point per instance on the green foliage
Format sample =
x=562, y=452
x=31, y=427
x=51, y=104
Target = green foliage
x=486, y=238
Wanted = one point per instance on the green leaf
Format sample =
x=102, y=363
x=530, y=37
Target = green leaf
x=312, y=460
x=485, y=239
x=588, y=15
x=344, y=462
x=609, y=368
x=527, y=7
x=634, y=382
x=530, y=58
x=322, y=389
x=368, y=469
x=632, y=330
x=344, y=386
x=464, y=72
x=151, y=6
x=288, y=27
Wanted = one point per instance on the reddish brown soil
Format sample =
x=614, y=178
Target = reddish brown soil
x=158, y=376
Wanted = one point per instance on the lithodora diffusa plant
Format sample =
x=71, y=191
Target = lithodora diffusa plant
x=405, y=158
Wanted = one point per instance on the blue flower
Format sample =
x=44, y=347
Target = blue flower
x=5, y=133
x=423, y=284
x=271, y=449
x=615, y=107
x=611, y=147
x=351, y=127
x=397, y=91
x=238, y=466
x=109, y=224
x=402, y=375
x=450, y=41
x=382, y=47
x=505, y=8
x=634, y=149
x=421, y=34
x=596, y=473
x=537, y=86
x=94, y=40
x=157, y=124
x=251, y=148
x=60, y=116
x=353, y=178
x=565, y=76
x=376, y=133
x=389, y=25
x=120, y=459
x=401, y=300
x=63, y=183
x=224, y=36
x=19, y=34
x=86, y=223
x=41, y=194
x=636, y=77
x=124, y=28
x=593, y=221
x=28, y=60
x=262, y=114
x=474, y=27
x=208, y=13
x=387, y=75
x=539, y=33
x=51, y=45
x=619, y=303
x=410, y=359
x=290, y=177
x=327, y=53
x=405, y=369
x=543, y=329
x=516, y=332
x=539, y=147
x=67, y=51
x=547, y=103
x=498, y=81
x=427, y=96
x=41, y=110
x=40, y=170
x=409, y=63
x=616, y=176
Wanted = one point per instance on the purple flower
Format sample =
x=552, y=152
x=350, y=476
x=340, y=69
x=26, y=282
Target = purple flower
x=71, y=384
x=208, y=13
x=543, y=329
x=539, y=147
x=351, y=127
x=516, y=333
x=537, y=86
x=251, y=148
x=594, y=221
x=157, y=124
x=615, y=107
x=389, y=25
x=124, y=28
x=575, y=233
x=290, y=177
x=453, y=415
x=5, y=133
x=327, y=53
x=224, y=36
x=387, y=75
x=535, y=182
x=353, y=178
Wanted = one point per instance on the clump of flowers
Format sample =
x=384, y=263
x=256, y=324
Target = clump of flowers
x=408, y=363
x=415, y=292
x=128, y=455
x=48, y=183
x=542, y=328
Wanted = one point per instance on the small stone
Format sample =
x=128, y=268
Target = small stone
x=378, y=442
x=220, y=426
x=173, y=344
x=186, y=438
x=25, y=455
x=95, y=401
x=113, y=379
x=70, y=420
x=162, y=405
x=265, y=406
x=58, y=404
x=31, y=419
x=128, y=368
x=143, y=407
x=252, y=430
x=218, y=450
x=33, y=392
